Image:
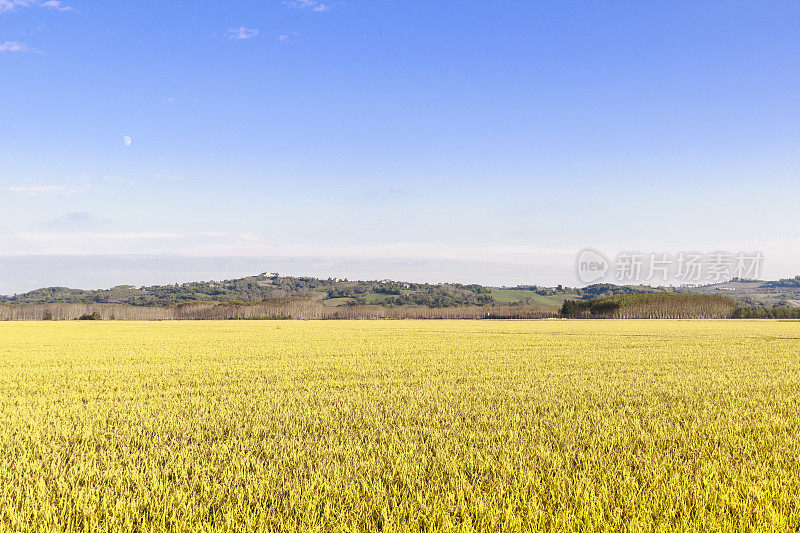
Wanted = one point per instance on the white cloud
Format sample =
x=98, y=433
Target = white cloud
x=288, y=37
x=118, y=179
x=56, y=4
x=10, y=5
x=75, y=221
x=310, y=5
x=241, y=33
x=49, y=190
x=218, y=243
x=222, y=244
x=14, y=46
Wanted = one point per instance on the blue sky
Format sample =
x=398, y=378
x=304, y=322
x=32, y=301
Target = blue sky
x=465, y=141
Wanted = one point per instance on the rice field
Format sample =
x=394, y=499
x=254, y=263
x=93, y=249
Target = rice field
x=553, y=425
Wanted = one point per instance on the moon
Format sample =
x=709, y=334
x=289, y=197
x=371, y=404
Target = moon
x=127, y=140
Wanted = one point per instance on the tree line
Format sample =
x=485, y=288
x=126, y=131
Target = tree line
x=778, y=311
x=671, y=306
x=625, y=306
x=651, y=305
x=277, y=308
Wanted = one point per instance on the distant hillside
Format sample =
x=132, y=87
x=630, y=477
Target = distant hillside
x=334, y=292
x=757, y=293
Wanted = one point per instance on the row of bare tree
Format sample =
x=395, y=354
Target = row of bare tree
x=651, y=305
x=278, y=308
x=674, y=306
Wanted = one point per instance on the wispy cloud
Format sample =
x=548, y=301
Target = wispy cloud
x=310, y=5
x=11, y=5
x=75, y=221
x=241, y=33
x=84, y=241
x=288, y=37
x=118, y=179
x=14, y=46
x=57, y=5
x=50, y=190
x=169, y=177
x=387, y=192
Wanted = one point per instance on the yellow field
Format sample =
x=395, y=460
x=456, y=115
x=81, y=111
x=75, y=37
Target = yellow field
x=396, y=425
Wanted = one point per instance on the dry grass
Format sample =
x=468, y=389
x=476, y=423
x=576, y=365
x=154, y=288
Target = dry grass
x=400, y=425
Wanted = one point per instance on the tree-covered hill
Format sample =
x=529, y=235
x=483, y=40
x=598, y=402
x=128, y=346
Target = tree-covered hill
x=331, y=291
x=335, y=292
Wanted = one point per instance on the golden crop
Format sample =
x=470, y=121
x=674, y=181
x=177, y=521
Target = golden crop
x=400, y=425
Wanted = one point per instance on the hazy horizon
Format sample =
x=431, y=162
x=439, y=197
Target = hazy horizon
x=25, y=273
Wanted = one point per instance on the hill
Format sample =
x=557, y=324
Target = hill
x=757, y=293
x=335, y=292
